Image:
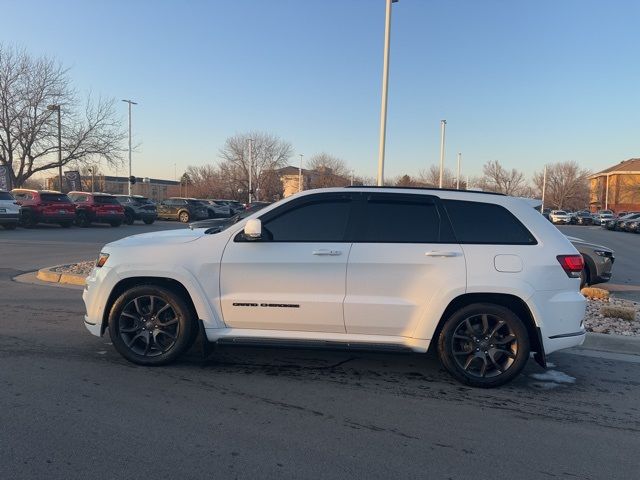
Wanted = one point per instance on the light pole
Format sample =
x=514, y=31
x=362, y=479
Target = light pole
x=385, y=89
x=458, y=176
x=544, y=188
x=57, y=109
x=130, y=102
x=250, y=167
x=443, y=126
x=300, y=174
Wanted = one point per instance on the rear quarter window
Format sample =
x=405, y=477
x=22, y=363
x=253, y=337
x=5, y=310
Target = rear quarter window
x=55, y=197
x=486, y=223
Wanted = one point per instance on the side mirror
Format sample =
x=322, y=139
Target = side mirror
x=253, y=229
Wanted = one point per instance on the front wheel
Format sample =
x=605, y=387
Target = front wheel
x=128, y=218
x=484, y=345
x=151, y=325
x=184, y=217
x=148, y=221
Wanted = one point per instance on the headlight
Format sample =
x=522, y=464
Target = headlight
x=102, y=259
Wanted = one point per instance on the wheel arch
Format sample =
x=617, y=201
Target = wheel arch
x=127, y=283
x=514, y=303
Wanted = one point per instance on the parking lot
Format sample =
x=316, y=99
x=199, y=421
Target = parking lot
x=279, y=413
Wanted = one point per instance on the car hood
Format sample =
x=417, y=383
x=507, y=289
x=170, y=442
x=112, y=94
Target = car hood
x=167, y=237
x=578, y=242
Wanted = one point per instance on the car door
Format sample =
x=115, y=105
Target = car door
x=403, y=256
x=293, y=278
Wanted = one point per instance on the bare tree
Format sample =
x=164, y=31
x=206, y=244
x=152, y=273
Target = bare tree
x=498, y=179
x=431, y=177
x=269, y=153
x=28, y=129
x=205, y=181
x=567, y=186
x=324, y=161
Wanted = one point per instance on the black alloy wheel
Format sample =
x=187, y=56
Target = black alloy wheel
x=484, y=345
x=151, y=325
x=128, y=218
x=82, y=219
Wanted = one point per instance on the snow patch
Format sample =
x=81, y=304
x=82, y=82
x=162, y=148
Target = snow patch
x=554, y=376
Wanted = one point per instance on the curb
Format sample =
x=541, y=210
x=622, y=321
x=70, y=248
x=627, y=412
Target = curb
x=48, y=275
x=606, y=342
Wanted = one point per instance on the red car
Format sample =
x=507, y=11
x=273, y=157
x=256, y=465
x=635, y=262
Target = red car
x=44, y=206
x=97, y=208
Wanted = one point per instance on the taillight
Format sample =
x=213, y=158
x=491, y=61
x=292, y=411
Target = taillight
x=571, y=264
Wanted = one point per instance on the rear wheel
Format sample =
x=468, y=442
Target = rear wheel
x=184, y=217
x=148, y=221
x=82, y=219
x=484, y=345
x=128, y=218
x=151, y=325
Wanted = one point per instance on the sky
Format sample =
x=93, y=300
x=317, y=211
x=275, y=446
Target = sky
x=522, y=82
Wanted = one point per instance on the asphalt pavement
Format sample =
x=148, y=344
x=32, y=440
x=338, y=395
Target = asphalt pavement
x=71, y=407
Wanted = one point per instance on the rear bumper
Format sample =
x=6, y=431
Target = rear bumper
x=560, y=317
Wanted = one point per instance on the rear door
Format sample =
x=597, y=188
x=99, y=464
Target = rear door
x=403, y=256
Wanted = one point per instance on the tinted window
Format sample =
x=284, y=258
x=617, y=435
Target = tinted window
x=486, y=223
x=5, y=196
x=54, y=197
x=400, y=219
x=103, y=200
x=316, y=221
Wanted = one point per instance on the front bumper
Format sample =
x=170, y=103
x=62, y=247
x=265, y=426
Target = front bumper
x=6, y=218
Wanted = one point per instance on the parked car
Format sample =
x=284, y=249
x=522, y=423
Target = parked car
x=251, y=205
x=93, y=207
x=598, y=262
x=222, y=223
x=480, y=277
x=559, y=216
x=634, y=226
x=216, y=209
x=621, y=222
x=182, y=209
x=234, y=205
x=137, y=207
x=9, y=211
x=44, y=206
x=583, y=218
x=602, y=218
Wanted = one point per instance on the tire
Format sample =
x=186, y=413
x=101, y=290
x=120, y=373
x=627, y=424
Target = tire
x=584, y=277
x=128, y=218
x=10, y=226
x=82, y=220
x=184, y=216
x=489, y=340
x=65, y=224
x=115, y=224
x=148, y=221
x=28, y=220
x=141, y=337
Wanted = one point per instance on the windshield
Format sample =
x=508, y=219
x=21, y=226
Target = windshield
x=5, y=196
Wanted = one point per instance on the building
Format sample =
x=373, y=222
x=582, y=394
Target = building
x=321, y=178
x=153, y=188
x=617, y=188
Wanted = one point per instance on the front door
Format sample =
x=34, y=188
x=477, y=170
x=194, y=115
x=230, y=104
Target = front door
x=294, y=277
x=403, y=254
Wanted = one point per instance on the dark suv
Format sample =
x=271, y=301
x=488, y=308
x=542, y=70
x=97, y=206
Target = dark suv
x=183, y=209
x=137, y=207
x=44, y=206
x=98, y=208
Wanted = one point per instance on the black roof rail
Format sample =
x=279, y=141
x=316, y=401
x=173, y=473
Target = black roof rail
x=424, y=188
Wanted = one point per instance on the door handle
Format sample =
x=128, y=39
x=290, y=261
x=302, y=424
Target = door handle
x=326, y=251
x=435, y=253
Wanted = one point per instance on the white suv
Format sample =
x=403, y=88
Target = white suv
x=484, y=278
x=9, y=210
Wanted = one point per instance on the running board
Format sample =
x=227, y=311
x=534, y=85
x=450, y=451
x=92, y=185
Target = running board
x=319, y=344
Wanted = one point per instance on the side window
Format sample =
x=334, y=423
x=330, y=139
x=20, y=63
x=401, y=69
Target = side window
x=323, y=220
x=486, y=223
x=401, y=219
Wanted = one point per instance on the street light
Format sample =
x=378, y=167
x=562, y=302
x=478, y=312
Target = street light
x=56, y=108
x=443, y=126
x=300, y=174
x=385, y=89
x=130, y=102
x=250, y=140
x=458, y=176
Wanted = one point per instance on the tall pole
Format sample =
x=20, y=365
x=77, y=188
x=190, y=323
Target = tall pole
x=130, y=102
x=385, y=89
x=544, y=187
x=300, y=174
x=458, y=175
x=250, y=166
x=606, y=195
x=60, y=148
x=443, y=126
